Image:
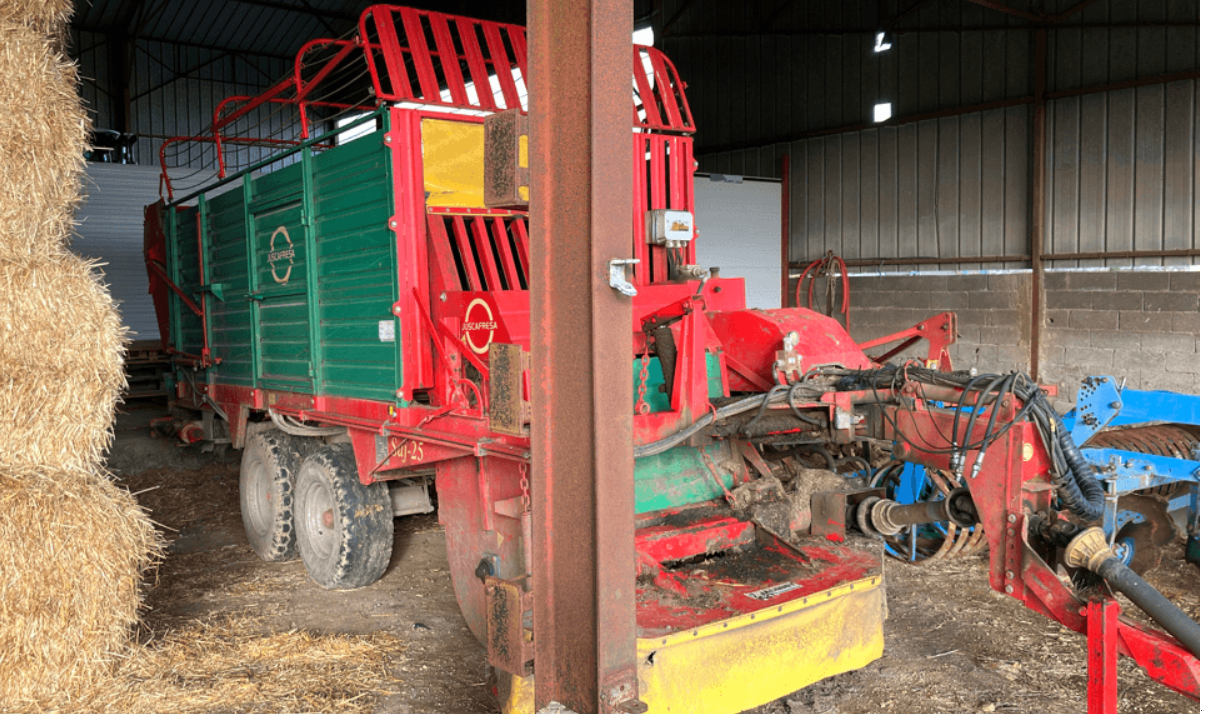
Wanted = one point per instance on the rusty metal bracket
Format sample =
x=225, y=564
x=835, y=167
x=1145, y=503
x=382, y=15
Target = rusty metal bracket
x=830, y=509
x=507, y=407
x=509, y=642
x=618, y=276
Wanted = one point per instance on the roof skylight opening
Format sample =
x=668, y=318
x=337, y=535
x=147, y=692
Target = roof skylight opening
x=355, y=132
x=643, y=36
x=882, y=112
x=882, y=42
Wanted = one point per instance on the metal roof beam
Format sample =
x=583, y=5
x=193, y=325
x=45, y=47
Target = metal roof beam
x=196, y=45
x=307, y=10
x=838, y=32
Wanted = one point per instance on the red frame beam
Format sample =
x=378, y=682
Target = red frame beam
x=584, y=607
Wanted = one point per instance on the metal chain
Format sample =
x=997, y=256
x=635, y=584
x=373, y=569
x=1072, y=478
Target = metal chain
x=525, y=487
x=642, y=406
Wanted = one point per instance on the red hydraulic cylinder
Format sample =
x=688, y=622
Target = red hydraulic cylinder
x=584, y=600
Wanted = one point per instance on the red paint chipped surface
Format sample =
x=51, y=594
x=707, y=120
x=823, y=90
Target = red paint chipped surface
x=711, y=586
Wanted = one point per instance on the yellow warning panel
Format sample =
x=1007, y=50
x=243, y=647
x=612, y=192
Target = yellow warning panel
x=454, y=163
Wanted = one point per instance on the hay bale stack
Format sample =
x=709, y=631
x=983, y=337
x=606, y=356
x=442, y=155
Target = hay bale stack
x=61, y=347
x=73, y=546
x=43, y=134
x=69, y=589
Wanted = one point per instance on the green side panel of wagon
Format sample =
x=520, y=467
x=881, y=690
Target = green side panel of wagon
x=230, y=333
x=356, y=270
x=300, y=275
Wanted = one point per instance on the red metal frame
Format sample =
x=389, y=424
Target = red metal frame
x=480, y=470
x=1013, y=483
x=940, y=331
x=1102, y=656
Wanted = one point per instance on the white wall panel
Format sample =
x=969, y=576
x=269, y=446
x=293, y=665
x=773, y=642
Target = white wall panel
x=740, y=226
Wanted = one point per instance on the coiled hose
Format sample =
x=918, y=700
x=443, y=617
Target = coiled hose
x=1082, y=493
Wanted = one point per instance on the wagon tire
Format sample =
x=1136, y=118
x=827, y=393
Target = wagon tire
x=344, y=528
x=266, y=478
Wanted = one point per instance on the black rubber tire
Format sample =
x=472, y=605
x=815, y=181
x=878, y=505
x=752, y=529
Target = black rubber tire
x=344, y=528
x=266, y=477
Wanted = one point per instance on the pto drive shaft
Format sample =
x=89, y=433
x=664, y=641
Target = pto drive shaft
x=1090, y=549
x=883, y=517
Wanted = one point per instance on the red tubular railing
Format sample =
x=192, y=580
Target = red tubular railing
x=404, y=65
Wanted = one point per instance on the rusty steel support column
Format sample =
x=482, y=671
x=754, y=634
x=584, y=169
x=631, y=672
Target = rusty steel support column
x=1038, y=208
x=583, y=505
x=786, y=230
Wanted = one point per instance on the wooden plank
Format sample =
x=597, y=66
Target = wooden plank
x=1178, y=178
x=991, y=194
x=1064, y=176
x=1119, y=205
x=1148, y=167
x=1092, y=176
x=970, y=186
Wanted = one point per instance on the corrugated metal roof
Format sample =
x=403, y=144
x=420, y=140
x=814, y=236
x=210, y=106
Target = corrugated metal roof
x=264, y=27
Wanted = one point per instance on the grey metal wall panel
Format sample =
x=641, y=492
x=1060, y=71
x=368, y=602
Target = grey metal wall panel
x=811, y=67
x=953, y=187
x=110, y=230
x=1124, y=173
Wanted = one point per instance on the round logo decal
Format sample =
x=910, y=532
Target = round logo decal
x=281, y=255
x=479, y=326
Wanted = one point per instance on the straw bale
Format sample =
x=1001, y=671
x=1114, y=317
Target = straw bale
x=48, y=17
x=43, y=134
x=74, y=552
x=61, y=349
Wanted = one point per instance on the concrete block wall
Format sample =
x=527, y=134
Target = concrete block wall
x=1138, y=325
x=992, y=312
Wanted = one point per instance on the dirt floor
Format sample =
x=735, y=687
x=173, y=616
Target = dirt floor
x=953, y=644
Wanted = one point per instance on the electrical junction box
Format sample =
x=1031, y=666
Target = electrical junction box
x=672, y=229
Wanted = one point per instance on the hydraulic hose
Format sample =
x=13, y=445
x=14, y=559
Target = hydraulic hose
x=1090, y=549
x=669, y=442
x=1079, y=488
x=295, y=429
x=828, y=458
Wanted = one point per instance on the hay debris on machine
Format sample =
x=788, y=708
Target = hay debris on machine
x=356, y=313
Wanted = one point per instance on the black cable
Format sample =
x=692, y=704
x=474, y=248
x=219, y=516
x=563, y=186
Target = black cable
x=828, y=458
